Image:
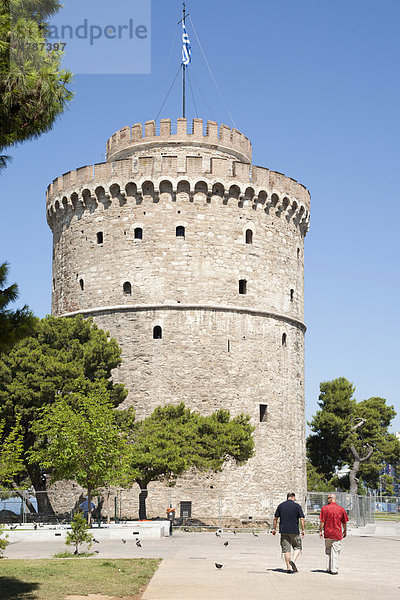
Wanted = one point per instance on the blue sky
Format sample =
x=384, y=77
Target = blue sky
x=315, y=86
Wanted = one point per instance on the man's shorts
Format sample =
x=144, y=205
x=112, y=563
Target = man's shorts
x=289, y=541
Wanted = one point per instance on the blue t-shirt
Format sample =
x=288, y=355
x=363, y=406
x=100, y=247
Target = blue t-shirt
x=289, y=513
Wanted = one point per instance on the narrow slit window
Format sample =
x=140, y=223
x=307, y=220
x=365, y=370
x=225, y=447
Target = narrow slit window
x=249, y=236
x=284, y=339
x=157, y=333
x=81, y=283
x=127, y=288
x=242, y=286
x=138, y=233
x=99, y=237
x=180, y=231
x=263, y=412
x=291, y=295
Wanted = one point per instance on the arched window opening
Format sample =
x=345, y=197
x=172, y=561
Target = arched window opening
x=284, y=339
x=242, y=286
x=127, y=288
x=291, y=295
x=249, y=236
x=157, y=333
x=138, y=233
x=81, y=284
x=298, y=252
x=99, y=237
x=180, y=231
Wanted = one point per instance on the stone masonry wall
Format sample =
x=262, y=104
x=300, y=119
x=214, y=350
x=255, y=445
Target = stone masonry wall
x=219, y=348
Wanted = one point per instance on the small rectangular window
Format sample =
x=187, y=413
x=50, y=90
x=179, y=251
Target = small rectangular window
x=263, y=412
x=99, y=237
x=242, y=286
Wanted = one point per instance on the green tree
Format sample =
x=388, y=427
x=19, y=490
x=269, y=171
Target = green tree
x=3, y=540
x=347, y=432
x=11, y=450
x=79, y=533
x=14, y=324
x=174, y=439
x=78, y=438
x=33, y=87
x=62, y=356
x=315, y=481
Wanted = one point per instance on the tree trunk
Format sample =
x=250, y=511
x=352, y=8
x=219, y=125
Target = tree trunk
x=142, y=499
x=353, y=475
x=44, y=506
x=89, y=501
x=356, y=467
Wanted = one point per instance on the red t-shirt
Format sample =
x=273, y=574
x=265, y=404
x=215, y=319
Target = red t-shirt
x=333, y=515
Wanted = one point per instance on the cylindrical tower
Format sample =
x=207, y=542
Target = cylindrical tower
x=192, y=259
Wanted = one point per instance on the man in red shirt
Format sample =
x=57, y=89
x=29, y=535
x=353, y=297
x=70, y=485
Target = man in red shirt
x=332, y=518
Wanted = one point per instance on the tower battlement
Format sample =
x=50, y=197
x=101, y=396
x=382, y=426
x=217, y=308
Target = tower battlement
x=129, y=140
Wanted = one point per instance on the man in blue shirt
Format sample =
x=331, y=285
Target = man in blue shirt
x=289, y=513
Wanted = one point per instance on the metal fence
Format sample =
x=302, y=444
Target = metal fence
x=386, y=507
x=360, y=509
x=192, y=508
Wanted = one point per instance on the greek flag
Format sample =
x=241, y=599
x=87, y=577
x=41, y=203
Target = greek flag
x=186, y=47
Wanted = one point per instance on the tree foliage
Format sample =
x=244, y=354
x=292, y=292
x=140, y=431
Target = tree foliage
x=3, y=540
x=14, y=324
x=33, y=87
x=174, y=439
x=63, y=356
x=347, y=432
x=78, y=438
x=11, y=452
x=79, y=533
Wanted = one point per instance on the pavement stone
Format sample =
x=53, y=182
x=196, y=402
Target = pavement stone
x=253, y=567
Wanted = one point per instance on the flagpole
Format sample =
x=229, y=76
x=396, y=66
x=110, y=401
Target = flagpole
x=184, y=72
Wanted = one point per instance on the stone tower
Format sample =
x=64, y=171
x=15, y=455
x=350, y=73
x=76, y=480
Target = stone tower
x=192, y=258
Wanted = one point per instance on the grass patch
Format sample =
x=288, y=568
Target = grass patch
x=387, y=516
x=53, y=579
x=68, y=554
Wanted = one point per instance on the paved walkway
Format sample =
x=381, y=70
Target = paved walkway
x=253, y=568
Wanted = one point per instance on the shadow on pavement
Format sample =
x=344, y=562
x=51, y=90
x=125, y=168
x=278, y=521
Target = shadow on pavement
x=15, y=589
x=318, y=571
x=280, y=570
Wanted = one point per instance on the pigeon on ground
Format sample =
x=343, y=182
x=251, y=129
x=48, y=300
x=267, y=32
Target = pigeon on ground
x=217, y=534
x=226, y=543
x=234, y=532
x=218, y=565
x=123, y=541
x=96, y=551
x=255, y=534
x=138, y=544
x=96, y=541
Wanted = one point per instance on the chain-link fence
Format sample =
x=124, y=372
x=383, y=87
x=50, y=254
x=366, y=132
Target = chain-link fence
x=191, y=508
x=386, y=508
x=360, y=509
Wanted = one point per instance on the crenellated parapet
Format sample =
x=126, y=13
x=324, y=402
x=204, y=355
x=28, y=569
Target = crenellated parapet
x=129, y=140
x=227, y=181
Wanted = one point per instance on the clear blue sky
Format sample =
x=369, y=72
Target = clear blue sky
x=315, y=86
